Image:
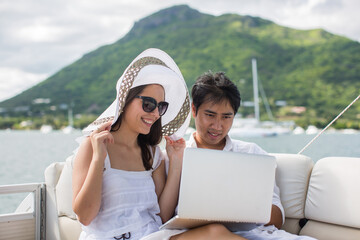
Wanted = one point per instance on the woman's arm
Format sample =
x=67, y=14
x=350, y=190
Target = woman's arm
x=167, y=188
x=88, y=173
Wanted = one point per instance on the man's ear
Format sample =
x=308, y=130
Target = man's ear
x=193, y=110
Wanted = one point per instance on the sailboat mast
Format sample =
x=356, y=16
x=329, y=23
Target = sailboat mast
x=70, y=117
x=256, y=91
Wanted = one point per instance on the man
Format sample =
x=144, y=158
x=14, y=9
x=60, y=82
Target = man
x=215, y=101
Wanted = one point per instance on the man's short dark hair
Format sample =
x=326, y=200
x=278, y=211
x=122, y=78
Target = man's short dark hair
x=215, y=87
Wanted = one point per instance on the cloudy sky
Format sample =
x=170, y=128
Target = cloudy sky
x=39, y=37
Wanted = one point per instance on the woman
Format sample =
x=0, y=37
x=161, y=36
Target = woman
x=119, y=187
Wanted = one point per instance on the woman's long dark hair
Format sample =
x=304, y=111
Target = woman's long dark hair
x=144, y=141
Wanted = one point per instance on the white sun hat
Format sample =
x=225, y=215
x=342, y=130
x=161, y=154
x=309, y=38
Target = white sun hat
x=153, y=66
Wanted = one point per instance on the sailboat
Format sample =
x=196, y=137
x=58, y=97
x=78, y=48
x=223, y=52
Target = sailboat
x=69, y=128
x=46, y=128
x=253, y=127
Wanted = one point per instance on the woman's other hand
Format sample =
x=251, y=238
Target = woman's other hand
x=175, y=151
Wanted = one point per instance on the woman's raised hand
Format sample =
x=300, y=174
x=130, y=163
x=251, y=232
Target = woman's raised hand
x=99, y=140
x=175, y=151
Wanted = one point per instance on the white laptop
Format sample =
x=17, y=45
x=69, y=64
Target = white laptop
x=221, y=186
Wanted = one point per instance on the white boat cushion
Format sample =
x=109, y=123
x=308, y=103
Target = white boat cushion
x=334, y=194
x=70, y=229
x=326, y=231
x=291, y=225
x=52, y=173
x=292, y=176
x=64, y=191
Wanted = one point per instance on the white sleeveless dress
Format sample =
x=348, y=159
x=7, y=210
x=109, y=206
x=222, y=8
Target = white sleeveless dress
x=129, y=204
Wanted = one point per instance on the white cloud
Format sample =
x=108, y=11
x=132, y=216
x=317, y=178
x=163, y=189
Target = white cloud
x=41, y=31
x=336, y=16
x=13, y=81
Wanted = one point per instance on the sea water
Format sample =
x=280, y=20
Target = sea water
x=24, y=155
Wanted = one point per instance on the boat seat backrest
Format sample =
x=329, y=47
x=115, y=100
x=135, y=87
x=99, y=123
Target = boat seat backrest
x=333, y=200
x=292, y=177
x=64, y=190
x=61, y=221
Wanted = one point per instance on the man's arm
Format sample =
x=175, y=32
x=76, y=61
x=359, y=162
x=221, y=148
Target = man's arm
x=276, y=217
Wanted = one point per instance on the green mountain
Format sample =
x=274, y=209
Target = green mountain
x=312, y=68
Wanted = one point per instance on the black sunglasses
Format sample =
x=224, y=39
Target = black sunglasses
x=149, y=104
